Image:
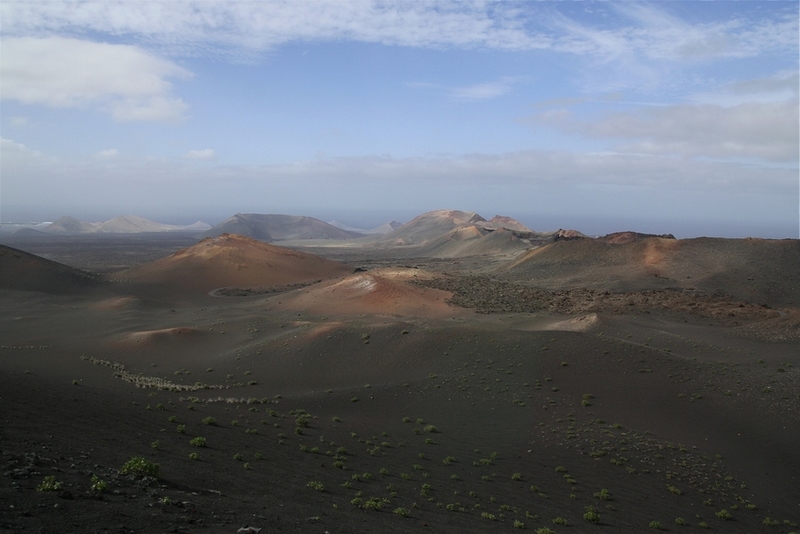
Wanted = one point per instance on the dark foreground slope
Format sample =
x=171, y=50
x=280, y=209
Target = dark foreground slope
x=23, y=271
x=476, y=423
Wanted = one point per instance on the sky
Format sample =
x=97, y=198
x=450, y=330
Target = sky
x=663, y=117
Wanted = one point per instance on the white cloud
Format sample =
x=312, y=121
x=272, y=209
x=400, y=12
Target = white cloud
x=201, y=27
x=110, y=153
x=205, y=155
x=478, y=92
x=760, y=130
x=19, y=122
x=653, y=33
x=11, y=150
x=482, y=91
x=123, y=80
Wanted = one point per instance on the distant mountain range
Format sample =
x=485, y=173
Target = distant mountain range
x=126, y=224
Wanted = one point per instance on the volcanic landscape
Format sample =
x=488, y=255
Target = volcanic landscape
x=451, y=374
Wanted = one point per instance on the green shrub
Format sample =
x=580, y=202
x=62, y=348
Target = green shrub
x=591, y=515
x=655, y=525
x=560, y=521
x=139, y=467
x=194, y=456
x=98, y=485
x=402, y=512
x=210, y=421
x=724, y=514
x=315, y=484
x=603, y=495
x=49, y=484
x=198, y=441
x=516, y=476
x=679, y=521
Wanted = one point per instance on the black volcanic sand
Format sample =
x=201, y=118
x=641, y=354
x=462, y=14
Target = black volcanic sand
x=388, y=424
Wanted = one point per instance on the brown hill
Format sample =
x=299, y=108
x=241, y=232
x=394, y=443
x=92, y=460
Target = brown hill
x=473, y=241
x=269, y=227
x=381, y=292
x=500, y=221
x=233, y=260
x=620, y=238
x=756, y=270
x=454, y=233
x=429, y=226
x=23, y=271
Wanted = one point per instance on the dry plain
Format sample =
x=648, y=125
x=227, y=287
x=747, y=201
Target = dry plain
x=590, y=387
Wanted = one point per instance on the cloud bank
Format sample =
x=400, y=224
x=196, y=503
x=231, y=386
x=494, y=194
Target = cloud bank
x=122, y=80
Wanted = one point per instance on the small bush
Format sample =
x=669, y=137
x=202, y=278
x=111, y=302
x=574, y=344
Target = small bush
x=139, y=467
x=724, y=514
x=591, y=515
x=315, y=484
x=199, y=441
x=194, y=456
x=560, y=521
x=402, y=512
x=655, y=525
x=603, y=495
x=679, y=521
x=99, y=485
x=49, y=484
x=210, y=421
x=516, y=476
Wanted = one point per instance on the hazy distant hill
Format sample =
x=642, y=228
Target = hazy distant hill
x=431, y=225
x=268, y=227
x=385, y=228
x=454, y=233
x=126, y=224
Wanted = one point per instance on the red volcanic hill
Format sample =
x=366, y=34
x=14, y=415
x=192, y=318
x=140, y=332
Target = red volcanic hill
x=233, y=260
x=23, y=271
x=755, y=270
x=380, y=292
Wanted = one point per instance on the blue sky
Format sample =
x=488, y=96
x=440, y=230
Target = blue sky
x=676, y=117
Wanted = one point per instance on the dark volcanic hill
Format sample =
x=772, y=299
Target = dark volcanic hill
x=755, y=270
x=269, y=227
x=23, y=271
x=232, y=260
